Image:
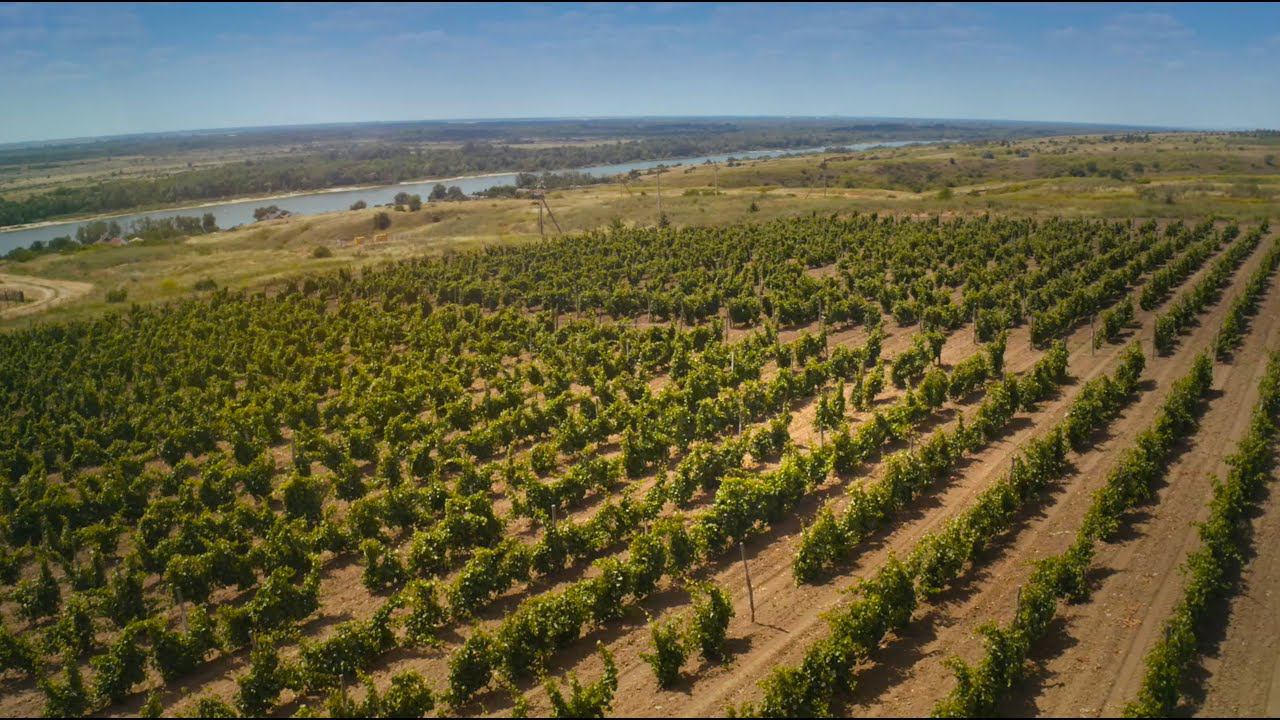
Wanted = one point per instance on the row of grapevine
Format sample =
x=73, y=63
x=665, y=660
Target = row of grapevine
x=1203, y=244
x=829, y=540
x=1243, y=307
x=1194, y=300
x=887, y=600
x=1103, y=279
x=1163, y=282
x=741, y=503
x=1211, y=570
x=980, y=687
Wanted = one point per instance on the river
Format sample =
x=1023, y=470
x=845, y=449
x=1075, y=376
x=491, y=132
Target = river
x=232, y=213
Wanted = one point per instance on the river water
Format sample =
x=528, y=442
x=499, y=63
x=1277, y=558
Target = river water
x=231, y=214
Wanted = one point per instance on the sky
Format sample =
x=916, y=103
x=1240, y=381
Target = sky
x=85, y=70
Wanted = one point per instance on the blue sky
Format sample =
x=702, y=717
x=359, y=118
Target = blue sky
x=76, y=70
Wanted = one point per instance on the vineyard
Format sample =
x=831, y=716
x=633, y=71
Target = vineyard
x=821, y=465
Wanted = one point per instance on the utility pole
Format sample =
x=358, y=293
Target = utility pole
x=541, y=201
x=659, y=194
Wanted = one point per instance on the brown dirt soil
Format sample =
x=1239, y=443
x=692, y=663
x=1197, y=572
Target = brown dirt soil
x=42, y=293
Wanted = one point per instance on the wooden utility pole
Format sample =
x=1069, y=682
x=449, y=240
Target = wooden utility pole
x=751, y=596
x=659, y=195
x=541, y=201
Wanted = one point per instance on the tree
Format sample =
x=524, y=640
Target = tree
x=266, y=213
x=401, y=198
x=381, y=221
x=438, y=192
x=455, y=193
x=209, y=223
x=415, y=203
x=358, y=205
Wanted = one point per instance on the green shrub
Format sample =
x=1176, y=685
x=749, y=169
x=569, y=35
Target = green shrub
x=585, y=701
x=426, y=614
x=65, y=698
x=38, y=597
x=409, y=696
x=709, y=622
x=259, y=688
x=122, y=666
x=471, y=667
x=669, y=651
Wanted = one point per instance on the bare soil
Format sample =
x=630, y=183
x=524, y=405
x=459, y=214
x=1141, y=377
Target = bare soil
x=42, y=293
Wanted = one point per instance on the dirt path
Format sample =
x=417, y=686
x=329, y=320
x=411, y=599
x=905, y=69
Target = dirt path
x=42, y=293
x=1094, y=654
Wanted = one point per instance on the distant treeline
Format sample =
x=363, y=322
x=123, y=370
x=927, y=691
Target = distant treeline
x=143, y=230
x=543, y=181
x=365, y=165
x=393, y=158
x=738, y=130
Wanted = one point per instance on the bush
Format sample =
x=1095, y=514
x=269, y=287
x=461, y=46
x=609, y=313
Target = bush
x=17, y=652
x=260, y=687
x=117, y=295
x=471, y=667
x=426, y=614
x=586, y=701
x=38, y=597
x=321, y=251
x=709, y=624
x=303, y=497
x=124, y=601
x=669, y=652
x=122, y=666
x=408, y=697
x=351, y=648
x=66, y=698
x=178, y=654
x=213, y=707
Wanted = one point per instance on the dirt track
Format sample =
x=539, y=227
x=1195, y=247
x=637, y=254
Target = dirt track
x=42, y=293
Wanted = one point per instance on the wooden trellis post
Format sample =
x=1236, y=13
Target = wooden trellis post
x=751, y=596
